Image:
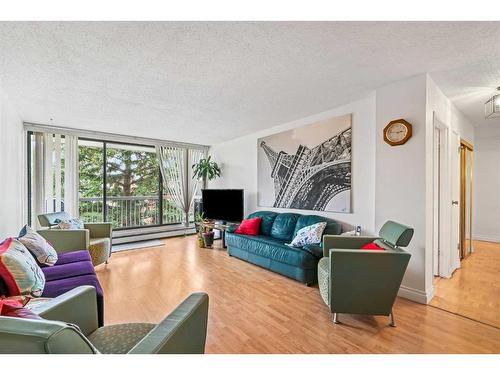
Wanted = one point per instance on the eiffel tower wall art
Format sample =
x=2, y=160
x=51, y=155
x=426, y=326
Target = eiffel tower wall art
x=307, y=168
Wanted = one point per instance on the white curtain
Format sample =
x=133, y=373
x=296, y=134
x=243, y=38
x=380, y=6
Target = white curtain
x=71, y=175
x=194, y=183
x=175, y=165
x=47, y=187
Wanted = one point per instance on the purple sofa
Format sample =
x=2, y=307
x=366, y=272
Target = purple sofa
x=72, y=269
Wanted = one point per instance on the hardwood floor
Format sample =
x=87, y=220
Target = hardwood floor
x=253, y=310
x=474, y=289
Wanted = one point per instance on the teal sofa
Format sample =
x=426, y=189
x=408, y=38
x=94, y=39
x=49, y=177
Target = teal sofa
x=269, y=249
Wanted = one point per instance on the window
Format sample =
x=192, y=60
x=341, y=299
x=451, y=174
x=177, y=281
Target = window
x=117, y=182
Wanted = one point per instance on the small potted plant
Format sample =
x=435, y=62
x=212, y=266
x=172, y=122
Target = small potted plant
x=208, y=237
x=200, y=228
x=206, y=169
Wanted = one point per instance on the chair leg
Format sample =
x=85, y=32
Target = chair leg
x=335, y=318
x=392, y=323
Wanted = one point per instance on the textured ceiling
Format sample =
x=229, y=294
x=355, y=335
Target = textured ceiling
x=206, y=82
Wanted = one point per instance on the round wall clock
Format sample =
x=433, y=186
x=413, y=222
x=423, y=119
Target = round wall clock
x=397, y=132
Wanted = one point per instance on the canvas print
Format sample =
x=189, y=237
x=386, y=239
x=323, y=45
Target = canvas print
x=307, y=168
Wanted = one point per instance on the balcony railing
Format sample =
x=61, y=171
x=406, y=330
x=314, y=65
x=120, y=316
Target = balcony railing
x=127, y=212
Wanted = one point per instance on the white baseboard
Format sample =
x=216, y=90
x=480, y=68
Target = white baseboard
x=480, y=237
x=416, y=295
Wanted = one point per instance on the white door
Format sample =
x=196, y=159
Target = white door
x=455, y=203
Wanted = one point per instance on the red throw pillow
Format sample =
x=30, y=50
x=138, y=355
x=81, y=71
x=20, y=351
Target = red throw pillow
x=14, y=307
x=372, y=246
x=250, y=227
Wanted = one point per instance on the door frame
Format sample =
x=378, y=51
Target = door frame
x=441, y=195
x=464, y=147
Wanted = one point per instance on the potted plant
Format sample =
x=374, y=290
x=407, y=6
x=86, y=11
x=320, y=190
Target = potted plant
x=208, y=238
x=200, y=228
x=206, y=169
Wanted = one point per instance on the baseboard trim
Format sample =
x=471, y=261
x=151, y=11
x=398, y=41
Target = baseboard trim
x=415, y=295
x=480, y=237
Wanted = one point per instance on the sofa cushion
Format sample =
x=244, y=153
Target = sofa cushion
x=63, y=271
x=314, y=249
x=41, y=249
x=54, y=288
x=19, y=269
x=73, y=256
x=272, y=248
x=57, y=287
x=332, y=227
x=267, y=221
x=284, y=226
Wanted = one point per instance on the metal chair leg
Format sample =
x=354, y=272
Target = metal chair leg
x=335, y=318
x=392, y=323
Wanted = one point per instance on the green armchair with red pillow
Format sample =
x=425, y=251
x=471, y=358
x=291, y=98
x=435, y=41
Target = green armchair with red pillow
x=362, y=274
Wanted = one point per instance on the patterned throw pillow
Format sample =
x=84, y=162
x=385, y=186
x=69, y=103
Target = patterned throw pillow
x=38, y=246
x=69, y=224
x=19, y=269
x=309, y=235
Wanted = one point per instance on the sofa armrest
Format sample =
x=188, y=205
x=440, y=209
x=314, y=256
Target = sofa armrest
x=184, y=331
x=99, y=230
x=77, y=306
x=65, y=240
x=366, y=281
x=344, y=242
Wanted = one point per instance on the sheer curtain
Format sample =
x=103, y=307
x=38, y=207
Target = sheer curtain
x=53, y=190
x=175, y=165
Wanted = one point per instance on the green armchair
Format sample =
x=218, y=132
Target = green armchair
x=69, y=326
x=95, y=237
x=356, y=281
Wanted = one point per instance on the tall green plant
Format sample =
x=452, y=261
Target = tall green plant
x=206, y=169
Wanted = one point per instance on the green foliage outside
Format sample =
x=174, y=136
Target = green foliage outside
x=129, y=173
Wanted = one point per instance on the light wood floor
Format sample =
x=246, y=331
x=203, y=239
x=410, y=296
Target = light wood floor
x=474, y=289
x=253, y=310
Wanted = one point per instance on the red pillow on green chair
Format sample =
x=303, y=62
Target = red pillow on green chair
x=372, y=246
x=250, y=227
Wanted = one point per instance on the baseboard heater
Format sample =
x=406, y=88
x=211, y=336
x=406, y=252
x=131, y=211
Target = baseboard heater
x=150, y=234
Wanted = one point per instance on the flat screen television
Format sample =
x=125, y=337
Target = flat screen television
x=223, y=204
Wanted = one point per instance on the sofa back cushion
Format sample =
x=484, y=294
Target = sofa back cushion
x=332, y=227
x=267, y=221
x=284, y=226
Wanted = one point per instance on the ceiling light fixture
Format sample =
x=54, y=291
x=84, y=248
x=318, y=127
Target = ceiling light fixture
x=492, y=106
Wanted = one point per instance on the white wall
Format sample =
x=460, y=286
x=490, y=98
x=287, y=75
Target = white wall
x=12, y=169
x=486, y=205
x=400, y=178
x=238, y=159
